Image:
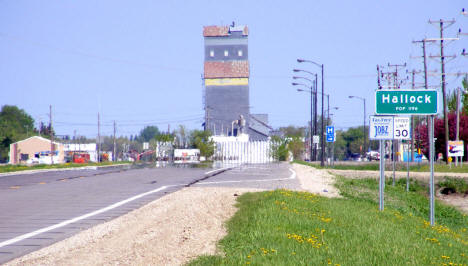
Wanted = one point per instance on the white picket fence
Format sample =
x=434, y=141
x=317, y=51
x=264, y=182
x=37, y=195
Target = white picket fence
x=243, y=152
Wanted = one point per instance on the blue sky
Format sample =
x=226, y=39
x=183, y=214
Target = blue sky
x=140, y=62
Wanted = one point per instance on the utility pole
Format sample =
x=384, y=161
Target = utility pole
x=442, y=62
x=378, y=78
x=412, y=120
x=114, y=154
x=52, y=148
x=315, y=115
x=99, y=138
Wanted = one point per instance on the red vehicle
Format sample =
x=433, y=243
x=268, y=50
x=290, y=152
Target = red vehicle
x=81, y=158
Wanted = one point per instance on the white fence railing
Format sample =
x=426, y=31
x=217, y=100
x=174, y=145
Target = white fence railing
x=243, y=152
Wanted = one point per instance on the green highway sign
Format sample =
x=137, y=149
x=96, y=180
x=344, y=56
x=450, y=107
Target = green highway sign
x=394, y=102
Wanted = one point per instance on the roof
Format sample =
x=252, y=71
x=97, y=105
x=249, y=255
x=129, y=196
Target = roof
x=222, y=31
x=37, y=137
x=226, y=69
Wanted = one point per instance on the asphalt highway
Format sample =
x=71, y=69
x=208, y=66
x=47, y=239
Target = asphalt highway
x=39, y=209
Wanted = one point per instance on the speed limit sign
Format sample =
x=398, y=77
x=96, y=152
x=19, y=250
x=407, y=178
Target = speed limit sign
x=401, y=128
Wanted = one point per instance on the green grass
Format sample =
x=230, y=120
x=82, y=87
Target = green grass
x=15, y=168
x=296, y=228
x=456, y=184
x=399, y=166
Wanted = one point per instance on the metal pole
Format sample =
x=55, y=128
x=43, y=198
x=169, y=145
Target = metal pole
x=323, y=129
x=328, y=119
x=393, y=155
x=315, y=114
x=364, y=129
x=311, y=121
x=382, y=176
x=407, y=167
x=458, y=122
x=431, y=181
x=52, y=147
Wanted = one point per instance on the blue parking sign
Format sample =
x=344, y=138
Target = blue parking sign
x=330, y=133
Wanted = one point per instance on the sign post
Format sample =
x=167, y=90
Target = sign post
x=419, y=102
x=330, y=138
x=381, y=128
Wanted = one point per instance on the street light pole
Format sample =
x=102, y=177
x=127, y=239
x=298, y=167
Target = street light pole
x=323, y=93
x=364, y=129
x=312, y=100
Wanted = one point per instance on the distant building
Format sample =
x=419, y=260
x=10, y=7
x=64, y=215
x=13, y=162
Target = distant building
x=226, y=81
x=36, y=150
x=88, y=148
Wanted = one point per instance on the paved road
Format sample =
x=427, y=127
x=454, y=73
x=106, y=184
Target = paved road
x=39, y=209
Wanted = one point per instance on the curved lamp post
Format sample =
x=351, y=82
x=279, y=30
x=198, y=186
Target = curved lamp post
x=323, y=92
x=364, y=129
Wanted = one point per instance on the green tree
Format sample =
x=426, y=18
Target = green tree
x=200, y=139
x=147, y=133
x=15, y=124
x=292, y=131
x=164, y=137
x=465, y=96
x=296, y=147
x=279, y=148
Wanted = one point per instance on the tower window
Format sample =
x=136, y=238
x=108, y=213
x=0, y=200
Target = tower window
x=239, y=53
x=226, y=53
x=211, y=53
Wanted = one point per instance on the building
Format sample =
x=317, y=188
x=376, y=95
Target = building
x=226, y=83
x=36, y=150
x=86, y=148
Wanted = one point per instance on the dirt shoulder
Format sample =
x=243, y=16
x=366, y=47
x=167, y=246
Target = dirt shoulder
x=169, y=231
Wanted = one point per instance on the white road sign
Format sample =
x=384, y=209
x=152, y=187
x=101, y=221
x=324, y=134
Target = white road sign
x=455, y=148
x=381, y=127
x=389, y=127
x=401, y=128
x=316, y=139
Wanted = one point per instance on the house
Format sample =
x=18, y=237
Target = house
x=36, y=149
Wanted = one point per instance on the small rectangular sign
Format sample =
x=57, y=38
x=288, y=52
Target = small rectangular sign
x=455, y=148
x=394, y=102
x=330, y=133
x=401, y=128
x=381, y=127
x=316, y=139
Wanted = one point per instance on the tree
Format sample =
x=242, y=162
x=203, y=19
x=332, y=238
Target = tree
x=296, y=147
x=45, y=131
x=164, y=137
x=279, y=148
x=147, y=133
x=15, y=124
x=182, y=138
x=201, y=140
x=292, y=131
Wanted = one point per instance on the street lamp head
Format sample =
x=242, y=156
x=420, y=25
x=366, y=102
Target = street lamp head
x=300, y=90
x=296, y=70
x=300, y=60
x=350, y=96
x=295, y=84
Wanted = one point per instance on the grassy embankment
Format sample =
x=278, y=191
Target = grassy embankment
x=296, y=228
x=401, y=166
x=15, y=168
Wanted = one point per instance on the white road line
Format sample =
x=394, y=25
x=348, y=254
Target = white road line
x=76, y=219
x=293, y=176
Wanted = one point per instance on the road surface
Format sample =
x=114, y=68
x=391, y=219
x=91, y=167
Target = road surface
x=42, y=208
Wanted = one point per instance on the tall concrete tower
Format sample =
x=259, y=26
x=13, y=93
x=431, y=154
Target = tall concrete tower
x=226, y=79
